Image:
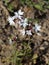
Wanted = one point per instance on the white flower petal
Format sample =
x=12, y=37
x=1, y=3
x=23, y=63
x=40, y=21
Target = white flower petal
x=28, y=32
x=16, y=14
x=20, y=12
x=25, y=24
x=26, y=20
x=11, y=21
x=20, y=17
x=14, y=17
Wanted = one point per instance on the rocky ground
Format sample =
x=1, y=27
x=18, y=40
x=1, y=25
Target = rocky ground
x=16, y=49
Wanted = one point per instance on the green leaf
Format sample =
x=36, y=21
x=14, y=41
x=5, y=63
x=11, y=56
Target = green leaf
x=10, y=7
x=38, y=6
x=6, y=1
x=35, y=56
x=47, y=7
x=22, y=1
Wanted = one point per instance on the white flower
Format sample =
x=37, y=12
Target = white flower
x=24, y=22
x=37, y=27
x=11, y=21
x=28, y=32
x=20, y=12
x=17, y=15
x=22, y=32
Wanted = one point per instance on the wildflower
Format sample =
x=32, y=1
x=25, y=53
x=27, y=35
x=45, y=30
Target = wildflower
x=11, y=21
x=22, y=32
x=37, y=27
x=19, y=14
x=28, y=32
x=24, y=22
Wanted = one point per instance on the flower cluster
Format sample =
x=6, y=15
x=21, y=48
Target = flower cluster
x=22, y=21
